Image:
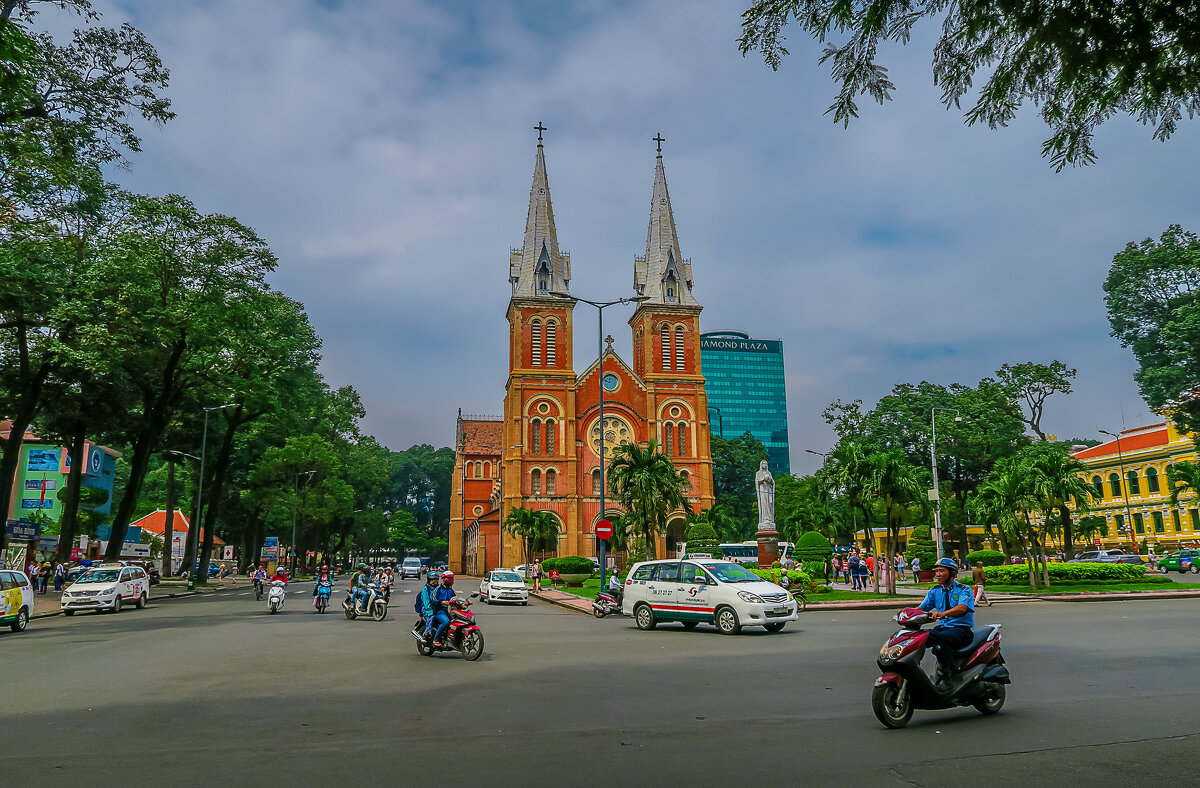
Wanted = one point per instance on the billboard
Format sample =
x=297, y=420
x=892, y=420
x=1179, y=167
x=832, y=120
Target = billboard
x=36, y=484
x=42, y=460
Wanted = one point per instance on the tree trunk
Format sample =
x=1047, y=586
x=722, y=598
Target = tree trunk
x=216, y=489
x=169, y=525
x=70, y=513
x=189, y=552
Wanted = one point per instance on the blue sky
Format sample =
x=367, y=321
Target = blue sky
x=384, y=149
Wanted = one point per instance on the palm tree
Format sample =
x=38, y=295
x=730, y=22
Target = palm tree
x=847, y=472
x=1057, y=479
x=531, y=526
x=898, y=489
x=645, y=483
x=1182, y=477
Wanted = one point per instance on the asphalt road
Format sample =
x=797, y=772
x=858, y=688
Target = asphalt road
x=212, y=690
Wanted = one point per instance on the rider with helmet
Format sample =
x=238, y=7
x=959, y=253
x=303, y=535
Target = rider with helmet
x=362, y=587
x=322, y=574
x=424, y=603
x=280, y=574
x=952, y=605
x=443, y=594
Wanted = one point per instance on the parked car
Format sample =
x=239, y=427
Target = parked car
x=503, y=585
x=1114, y=556
x=107, y=587
x=16, y=599
x=1181, y=561
x=722, y=593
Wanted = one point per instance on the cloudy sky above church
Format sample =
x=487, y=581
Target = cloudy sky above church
x=385, y=148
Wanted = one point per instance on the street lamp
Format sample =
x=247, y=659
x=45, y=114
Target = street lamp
x=191, y=586
x=169, y=526
x=936, y=492
x=1124, y=489
x=296, y=518
x=819, y=453
x=600, y=307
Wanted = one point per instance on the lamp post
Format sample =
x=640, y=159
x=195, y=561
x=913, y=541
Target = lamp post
x=200, y=498
x=1124, y=489
x=600, y=307
x=936, y=492
x=296, y=518
x=169, y=527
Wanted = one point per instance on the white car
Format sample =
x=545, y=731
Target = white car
x=716, y=592
x=107, y=587
x=16, y=599
x=503, y=585
x=410, y=567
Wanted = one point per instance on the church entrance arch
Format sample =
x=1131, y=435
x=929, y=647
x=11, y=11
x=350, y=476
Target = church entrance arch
x=550, y=548
x=676, y=526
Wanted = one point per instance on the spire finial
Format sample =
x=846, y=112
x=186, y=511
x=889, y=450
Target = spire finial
x=539, y=128
x=608, y=339
x=660, y=139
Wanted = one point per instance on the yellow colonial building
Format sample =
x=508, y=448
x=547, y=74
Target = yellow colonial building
x=1129, y=475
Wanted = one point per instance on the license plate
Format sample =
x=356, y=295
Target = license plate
x=780, y=611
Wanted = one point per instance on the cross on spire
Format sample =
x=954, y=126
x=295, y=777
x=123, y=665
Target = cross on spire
x=539, y=128
x=660, y=139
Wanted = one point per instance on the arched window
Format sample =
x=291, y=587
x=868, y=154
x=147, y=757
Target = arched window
x=682, y=442
x=535, y=436
x=687, y=478
x=1114, y=484
x=679, y=348
x=1134, y=487
x=666, y=348
x=535, y=332
x=535, y=482
x=479, y=470
x=669, y=435
x=551, y=477
x=549, y=436
x=487, y=470
x=1151, y=480
x=596, y=482
x=551, y=333
x=1098, y=484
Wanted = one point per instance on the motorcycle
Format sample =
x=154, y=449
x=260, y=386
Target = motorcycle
x=324, y=591
x=973, y=675
x=275, y=596
x=605, y=604
x=154, y=577
x=258, y=590
x=376, y=606
x=463, y=634
x=797, y=593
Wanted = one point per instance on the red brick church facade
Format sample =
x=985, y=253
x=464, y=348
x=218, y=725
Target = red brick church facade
x=543, y=453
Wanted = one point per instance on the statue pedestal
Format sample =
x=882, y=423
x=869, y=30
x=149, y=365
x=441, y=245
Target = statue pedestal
x=768, y=548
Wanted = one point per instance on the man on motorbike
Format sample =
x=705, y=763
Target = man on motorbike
x=259, y=575
x=362, y=587
x=615, y=587
x=280, y=574
x=441, y=612
x=952, y=605
x=322, y=574
x=425, y=601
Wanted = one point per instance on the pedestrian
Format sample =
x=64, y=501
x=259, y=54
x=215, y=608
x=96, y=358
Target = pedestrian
x=846, y=569
x=855, y=562
x=899, y=567
x=44, y=576
x=979, y=578
x=916, y=567
x=790, y=564
x=827, y=567
x=60, y=574
x=31, y=572
x=837, y=568
x=536, y=571
x=221, y=574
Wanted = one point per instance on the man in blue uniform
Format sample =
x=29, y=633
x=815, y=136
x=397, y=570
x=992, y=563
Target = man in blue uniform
x=952, y=605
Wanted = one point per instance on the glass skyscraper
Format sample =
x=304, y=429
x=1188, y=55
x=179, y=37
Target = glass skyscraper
x=746, y=393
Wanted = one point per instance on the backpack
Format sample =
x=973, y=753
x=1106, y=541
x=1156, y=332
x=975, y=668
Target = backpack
x=419, y=607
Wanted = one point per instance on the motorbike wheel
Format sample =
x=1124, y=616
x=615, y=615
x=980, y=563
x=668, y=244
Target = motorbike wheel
x=257, y=594
x=424, y=648
x=379, y=611
x=350, y=614
x=472, y=646
x=321, y=605
x=801, y=602
x=993, y=702
x=774, y=627
x=598, y=612
x=273, y=608
x=890, y=709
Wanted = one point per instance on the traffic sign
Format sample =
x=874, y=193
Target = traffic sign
x=604, y=529
x=1097, y=543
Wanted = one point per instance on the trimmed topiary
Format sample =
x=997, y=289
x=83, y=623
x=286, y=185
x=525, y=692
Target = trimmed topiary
x=986, y=557
x=702, y=538
x=812, y=547
x=921, y=547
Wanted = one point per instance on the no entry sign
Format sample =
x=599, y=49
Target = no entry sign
x=604, y=529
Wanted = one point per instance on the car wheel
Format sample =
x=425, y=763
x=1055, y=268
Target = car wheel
x=1194, y=568
x=727, y=621
x=116, y=608
x=21, y=622
x=141, y=603
x=1162, y=569
x=68, y=612
x=689, y=624
x=775, y=627
x=643, y=616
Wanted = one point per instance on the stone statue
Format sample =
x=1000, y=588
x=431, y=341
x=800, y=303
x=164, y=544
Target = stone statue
x=764, y=483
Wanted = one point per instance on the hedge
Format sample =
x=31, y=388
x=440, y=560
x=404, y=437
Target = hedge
x=569, y=565
x=921, y=546
x=987, y=558
x=812, y=547
x=1019, y=573
x=794, y=576
x=702, y=538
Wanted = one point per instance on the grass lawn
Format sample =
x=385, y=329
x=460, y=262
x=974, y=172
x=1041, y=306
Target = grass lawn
x=591, y=587
x=838, y=595
x=1092, y=588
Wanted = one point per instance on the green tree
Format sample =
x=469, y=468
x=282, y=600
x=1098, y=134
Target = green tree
x=1034, y=384
x=734, y=464
x=702, y=538
x=1080, y=63
x=647, y=486
x=899, y=491
x=531, y=526
x=1151, y=292
x=921, y=547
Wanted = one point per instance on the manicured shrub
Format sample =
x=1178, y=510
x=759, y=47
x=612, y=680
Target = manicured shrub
x=795, y=577
x=814, y=568
x=1010, y=574
x=569, y=565
x=702, y=538
x=987, y=557
x=812, y=547
x=921, y=546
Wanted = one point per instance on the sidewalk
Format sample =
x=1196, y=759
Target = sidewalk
x=562, y=599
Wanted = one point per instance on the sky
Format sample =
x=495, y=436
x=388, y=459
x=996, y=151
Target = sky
x=385, y=148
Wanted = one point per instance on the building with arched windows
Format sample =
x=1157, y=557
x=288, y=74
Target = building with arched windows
x=543, y=452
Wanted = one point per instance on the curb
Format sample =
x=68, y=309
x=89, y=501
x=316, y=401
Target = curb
x=563, y=604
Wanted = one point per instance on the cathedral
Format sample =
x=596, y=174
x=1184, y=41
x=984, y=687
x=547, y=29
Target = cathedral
x=544, y=451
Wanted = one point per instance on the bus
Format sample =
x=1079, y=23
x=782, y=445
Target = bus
x=747, y=552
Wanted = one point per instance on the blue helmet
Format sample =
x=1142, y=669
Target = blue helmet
x=947, y=563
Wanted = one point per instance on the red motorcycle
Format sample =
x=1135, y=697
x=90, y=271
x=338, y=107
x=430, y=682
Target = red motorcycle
x=462, y=635
x=973, y=675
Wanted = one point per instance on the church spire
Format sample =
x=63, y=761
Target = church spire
x=663, y=274
x=539, y=268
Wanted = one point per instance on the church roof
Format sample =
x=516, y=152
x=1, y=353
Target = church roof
x=539, y=268
x=663, y=274
x=482, y=436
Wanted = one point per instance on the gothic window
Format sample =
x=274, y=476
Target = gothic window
x=549, y=437
x=1134, y=487
x=535, y=482
x=669, y=431
x=682, y=443
x=1114, y=484
x=687, y=478
x=479, y=470
x=543, y=273
x=551, y=477
x=535, y=330
x=666, y=348
x=487, y=470
x=551, y=330
x=535, y=436
x=1151, y=480
x=679, y=348
x=1098, y=485
x=596, y=482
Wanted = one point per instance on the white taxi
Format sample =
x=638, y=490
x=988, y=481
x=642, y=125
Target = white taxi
x=16, y=599
x=107, y=587
x=503, y=585
x=707, y=591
